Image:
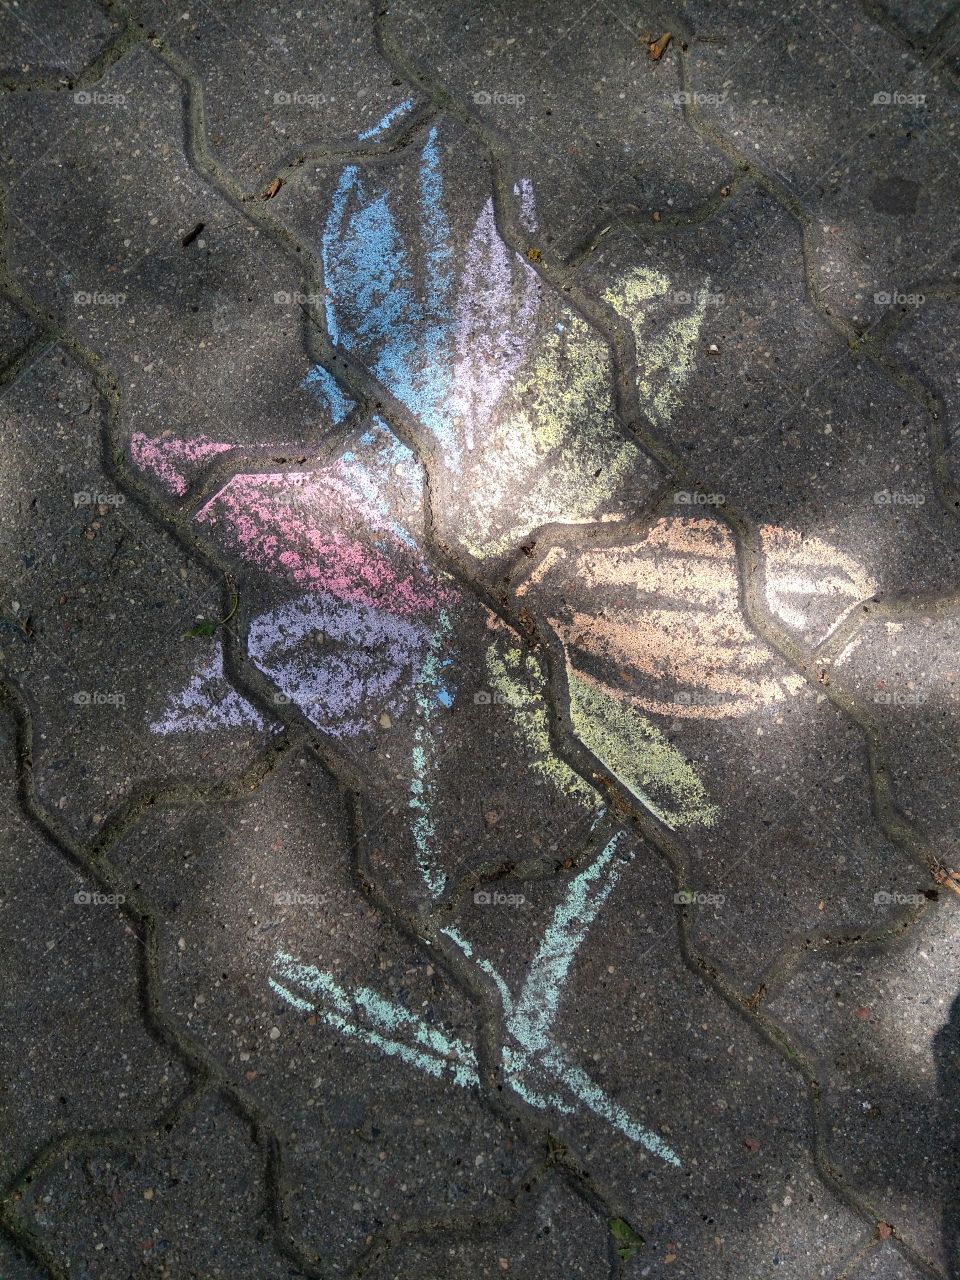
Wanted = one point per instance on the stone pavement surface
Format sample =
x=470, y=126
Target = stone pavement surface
x=480, y=640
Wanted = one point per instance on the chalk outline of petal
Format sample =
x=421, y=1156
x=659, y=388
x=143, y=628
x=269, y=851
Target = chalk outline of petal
x=504, y=674
x=674, y=352
x=157, y=456
x=336, y=691
x=787, y=554
x=637, y=754
x=494, y=321
x=271, y=536
x=193, y=711
x=706, y=645
x=550, y=443
x=367, y=270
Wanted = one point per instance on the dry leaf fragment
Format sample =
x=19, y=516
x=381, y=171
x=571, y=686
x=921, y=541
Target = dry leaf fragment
x=949, y=878
x=884, y=1230
x=656, y=48
x=273, y=188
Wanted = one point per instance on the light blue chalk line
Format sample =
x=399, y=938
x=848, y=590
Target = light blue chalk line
x=325, y=388
x=442, y=1053
x=530, y=1018
x=428, y=691
x=537, y=1007
x=386, y=121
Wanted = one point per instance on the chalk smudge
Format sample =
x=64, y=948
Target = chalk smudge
x=173, y=461
x=496, y=306
x=665, y=359
x=207, y=704
x=341, y=662
x=511, y=673
x=430, y=692
x=811, y=585
x=327, y=391
x=638, y=754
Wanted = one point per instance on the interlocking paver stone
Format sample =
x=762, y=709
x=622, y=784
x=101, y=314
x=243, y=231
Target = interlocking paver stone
x=76, y=1052
x=278, y=82
x=668, y=686
x=575, y=94
x=330, y=1017
x=52, y=36
x=193, y=1203
x=633, y=1033
x=927, y=345
x=884, y=1263
x=883, y=1035
x=903, y=672
x=197, y=316
x=97, y=603
x=821, y=97
x=773, y=412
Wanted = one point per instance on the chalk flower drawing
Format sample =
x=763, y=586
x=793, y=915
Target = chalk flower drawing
x=511, y=390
